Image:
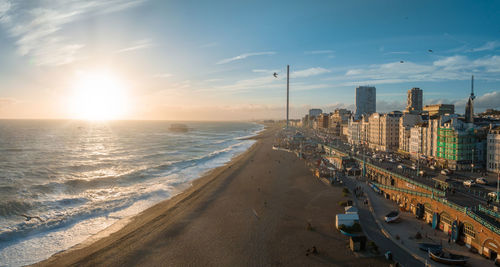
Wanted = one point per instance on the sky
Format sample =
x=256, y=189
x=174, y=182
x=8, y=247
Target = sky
x=214, y=60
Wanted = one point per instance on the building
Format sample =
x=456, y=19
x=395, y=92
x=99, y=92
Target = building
x=354, y=132
x=493, y=150
x=469, y=107
x=365, y=101
x=414, y=101
x=440, y=109
x=406, y=122
x=314, y=112
x=461, y=145
x=323, y=121
x=383, y=133
x=418, y=138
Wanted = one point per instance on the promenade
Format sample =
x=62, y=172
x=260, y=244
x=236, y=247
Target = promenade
x=403, y=233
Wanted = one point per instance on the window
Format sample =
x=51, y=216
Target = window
x=445, y=218
x=469, y=230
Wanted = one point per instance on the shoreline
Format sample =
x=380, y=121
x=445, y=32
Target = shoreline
x=253, y=211
x=183, y=192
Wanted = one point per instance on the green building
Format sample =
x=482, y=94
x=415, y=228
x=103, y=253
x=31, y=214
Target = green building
x=456, y=149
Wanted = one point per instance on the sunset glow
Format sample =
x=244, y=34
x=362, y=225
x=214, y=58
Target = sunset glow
x=98, y=96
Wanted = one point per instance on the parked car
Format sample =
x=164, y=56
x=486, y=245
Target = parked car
x=446, y=172
x=400, y=166
x=481, y=181
x=432, y=167
x=413, y=167
x=468, y=183
x=492, y=195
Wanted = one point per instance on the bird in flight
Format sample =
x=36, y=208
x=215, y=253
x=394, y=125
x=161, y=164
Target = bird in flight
x=275, y=75
x=430, y=50
x=401, y=61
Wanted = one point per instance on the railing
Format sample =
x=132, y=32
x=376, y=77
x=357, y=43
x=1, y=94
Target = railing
x=450, y=204
x=482, y=221
x=488, y=211
x=439, y=193
x=416, y=193
x=426, y=187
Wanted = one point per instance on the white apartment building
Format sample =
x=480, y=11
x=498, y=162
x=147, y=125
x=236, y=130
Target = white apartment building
x=383, y=133
x=406, y=122
x=493, y=150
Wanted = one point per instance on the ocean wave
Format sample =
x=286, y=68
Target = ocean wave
x=57, y=218
x=14, y=207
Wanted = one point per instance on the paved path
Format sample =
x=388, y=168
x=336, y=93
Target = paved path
x=374, y=233
x=409, y=226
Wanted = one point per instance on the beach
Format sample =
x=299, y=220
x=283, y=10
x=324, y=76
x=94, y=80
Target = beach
x=253, y=211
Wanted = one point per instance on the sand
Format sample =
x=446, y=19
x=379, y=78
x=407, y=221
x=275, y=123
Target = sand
x=253, y=211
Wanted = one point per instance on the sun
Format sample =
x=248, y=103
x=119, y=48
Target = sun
x=98, y=96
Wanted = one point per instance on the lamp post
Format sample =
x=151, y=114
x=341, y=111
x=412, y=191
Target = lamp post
x=472, y=165
x=498, y=178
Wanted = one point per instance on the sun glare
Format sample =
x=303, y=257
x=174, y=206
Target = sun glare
x=98, y=96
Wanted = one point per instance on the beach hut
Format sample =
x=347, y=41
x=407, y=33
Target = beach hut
x=351, y=209
x=346, y=219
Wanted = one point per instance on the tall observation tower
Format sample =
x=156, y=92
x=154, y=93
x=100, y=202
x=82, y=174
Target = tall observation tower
x=287, y=92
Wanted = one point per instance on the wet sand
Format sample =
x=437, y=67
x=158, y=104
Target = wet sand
x=251, y=212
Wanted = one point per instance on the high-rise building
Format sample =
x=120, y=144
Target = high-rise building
x=315, y=112
x=414, y=101
x=440, y=109
x=469, y=108
x=366, y=97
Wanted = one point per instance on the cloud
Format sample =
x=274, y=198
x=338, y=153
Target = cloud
x=36, y=26
x=141, y=44
x=319, y=52
x=443, y=69
x=265, y=71
x=388, y=106
x=487, y=46
x=243, y=56
x=309, y=72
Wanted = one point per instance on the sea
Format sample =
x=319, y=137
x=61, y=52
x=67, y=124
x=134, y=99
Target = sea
x=64, y=181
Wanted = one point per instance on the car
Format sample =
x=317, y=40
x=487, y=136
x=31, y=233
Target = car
x=432, y=167
x=492, y=195
x=400, y=166
x=468, y=183
x=391, y=160
x=481, y=181
x=445, y=172
x=413, y=167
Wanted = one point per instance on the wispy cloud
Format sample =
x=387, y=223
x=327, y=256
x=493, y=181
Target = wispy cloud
x=319, y=52
x=489, y=46
x=36, y=26
x=309, y=72
x=446, y=68
x=265, y=71
x=141, y=44
x=243, y=56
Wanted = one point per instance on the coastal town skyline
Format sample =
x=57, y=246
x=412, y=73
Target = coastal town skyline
x=184, y=62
